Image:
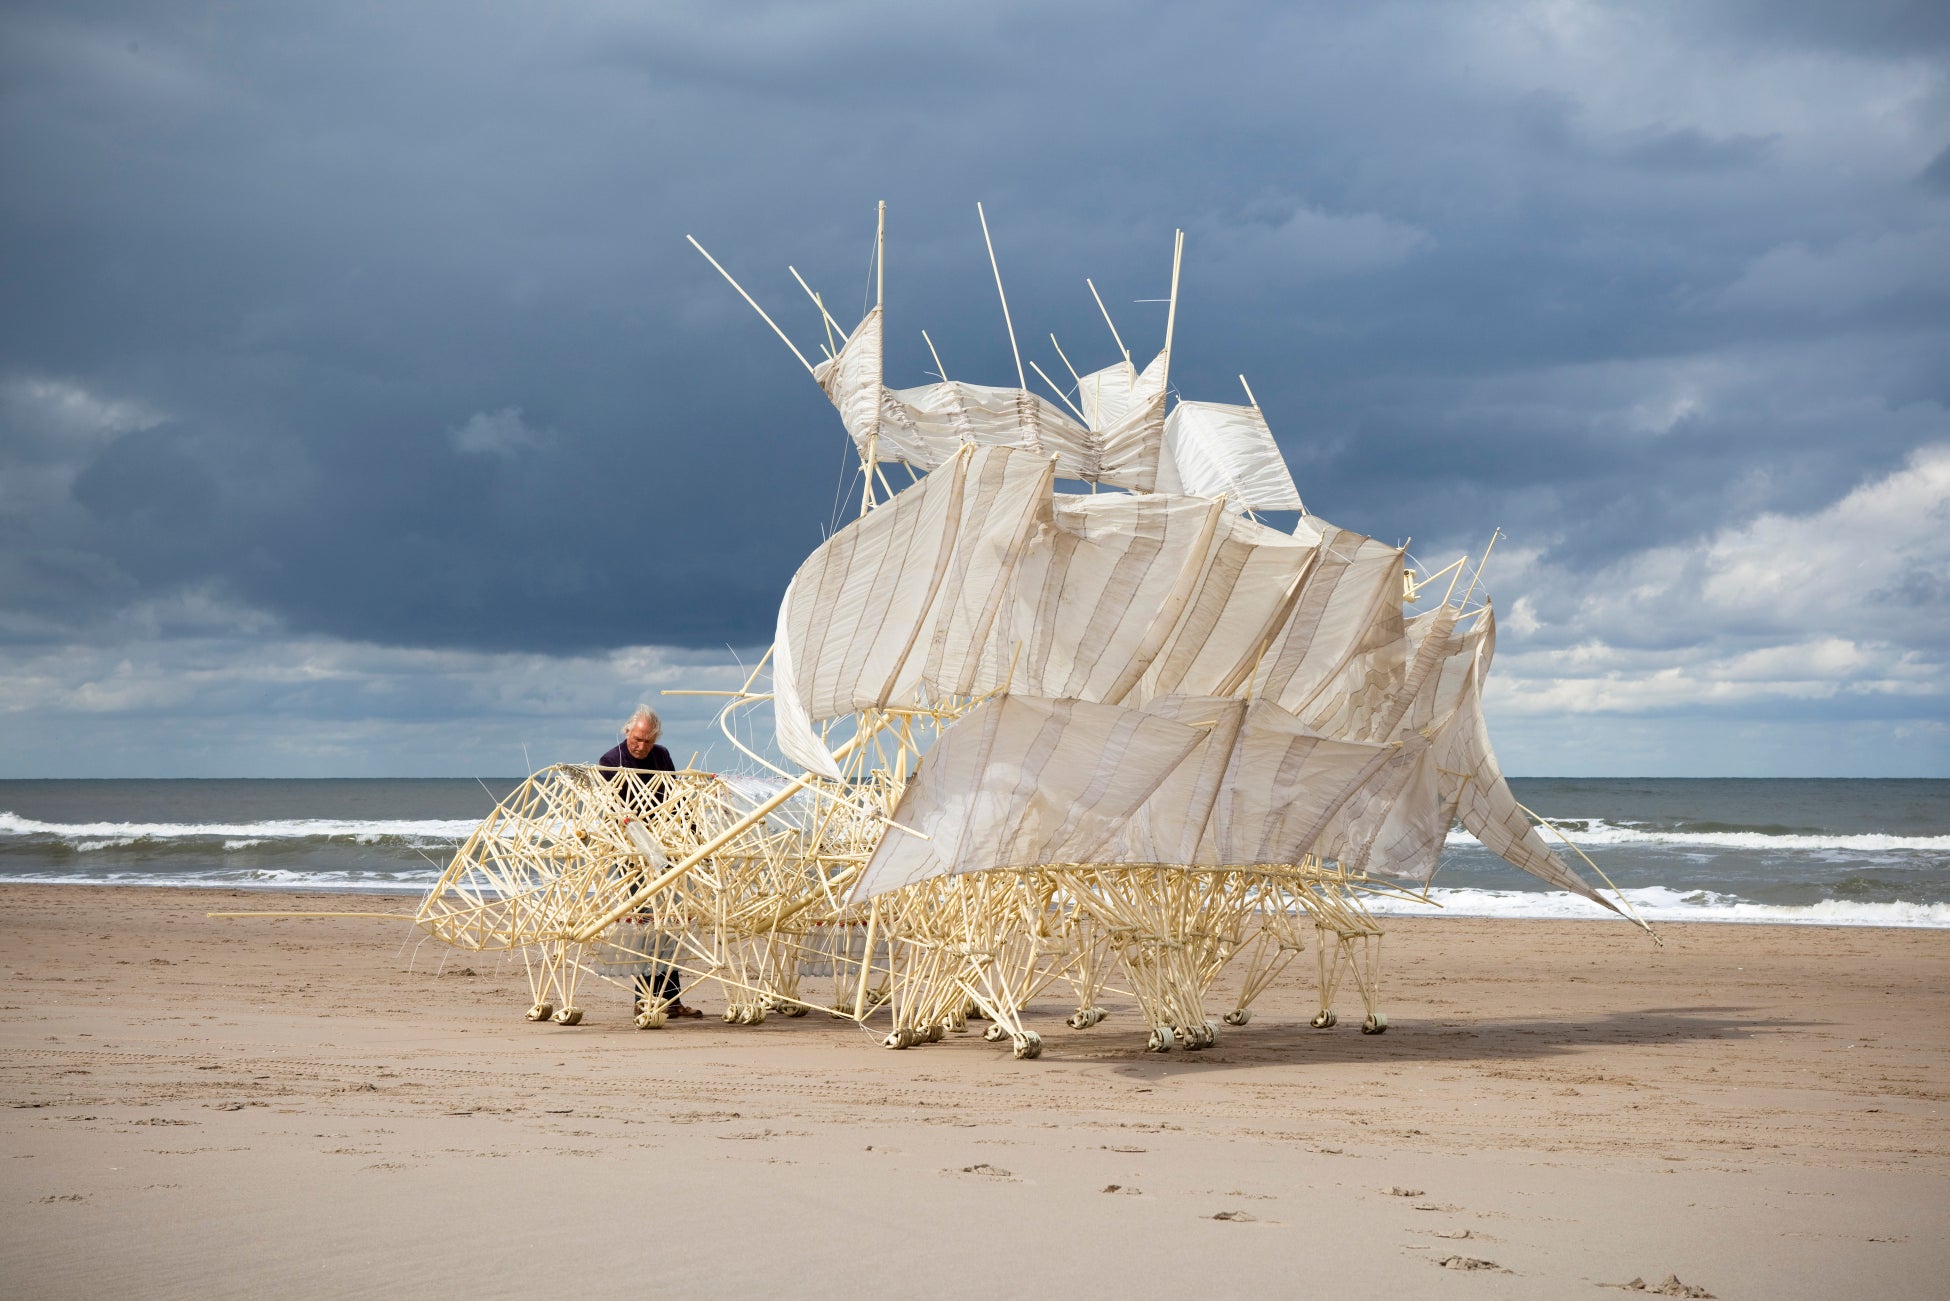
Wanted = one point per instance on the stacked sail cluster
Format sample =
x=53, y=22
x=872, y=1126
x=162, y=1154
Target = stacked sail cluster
x=1164, y=680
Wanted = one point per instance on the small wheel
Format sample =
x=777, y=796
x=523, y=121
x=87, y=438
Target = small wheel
x=1238, y=1016
x=567, y=1016
x=1161, y=1040
x=650, y=1020
x=995, y=1033
x=1029, y=1047
x=1324, y=1021
x=541, y=1011
x=1375, y=1024
x=902, y=1037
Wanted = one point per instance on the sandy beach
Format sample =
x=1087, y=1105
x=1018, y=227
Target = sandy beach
x=310, y=1107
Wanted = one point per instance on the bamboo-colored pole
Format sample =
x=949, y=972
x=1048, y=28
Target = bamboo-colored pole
x=832, y=326
x=1061, y=396
x=1066, y=363
x=1022, y=381
x=939, y=369
x=1115, y=336
x=754, y=304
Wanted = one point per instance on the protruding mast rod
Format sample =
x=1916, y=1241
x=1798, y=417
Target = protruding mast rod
x=832, y=325
x=1480, y=566
x=939, y=369
x=1251, y=401
x=1022, y=380
x=1115, y=336
x=755, y=307
x=1066, y=361
x=1061, y=395
x=880, y=257
x=1177, y=258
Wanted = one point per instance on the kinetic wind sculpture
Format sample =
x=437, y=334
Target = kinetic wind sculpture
x=1115, y=740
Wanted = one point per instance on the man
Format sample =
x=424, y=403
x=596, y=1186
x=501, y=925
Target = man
x=639, y=754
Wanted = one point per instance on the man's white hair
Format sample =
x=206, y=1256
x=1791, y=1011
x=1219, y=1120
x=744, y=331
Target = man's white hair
x=649, y=715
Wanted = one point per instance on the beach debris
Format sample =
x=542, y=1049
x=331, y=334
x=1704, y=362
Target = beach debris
x=1404, y=1192
x=1239, y=1217
x=1120, y=1188
x=1061, y=711
x=1452, y=1233
x=1671, y=1286
x=1468, y=1262
x=984, y=1168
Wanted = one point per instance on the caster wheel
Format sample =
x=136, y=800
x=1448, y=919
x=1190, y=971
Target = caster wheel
x=1324, y=1021
x=1375, y=1024
x=567, y=1016
x=1238, y=1016
x=1029, y=1047
x=900, y=1038
x=650, y=1020
x=1161, y=1040
x=541, y=1011
x=995, y=1033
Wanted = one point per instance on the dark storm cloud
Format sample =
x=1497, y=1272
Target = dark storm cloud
x=1480, y=265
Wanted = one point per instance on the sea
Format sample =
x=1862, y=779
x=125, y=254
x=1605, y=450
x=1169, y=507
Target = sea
x=1840, y=852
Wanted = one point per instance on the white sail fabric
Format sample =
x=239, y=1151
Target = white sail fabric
x=1396, y=823
x=1474, y=782
x=1246, y=594
x=1097, y=596
x=926, y=425
x=1021, y=781
x=1342, y=616
x=1214, y=449
x=899, y=598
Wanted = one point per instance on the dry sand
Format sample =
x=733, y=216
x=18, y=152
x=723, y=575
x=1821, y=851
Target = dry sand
x=203, y=1107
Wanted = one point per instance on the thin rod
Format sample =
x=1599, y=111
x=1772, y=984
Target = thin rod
x=1251, y=401
x=1481, y=565
x=832, y=326
x=1171, y=314
x=1066, y=361
x=1115, y=336
x=1022, y=381
x=880, y=257
x=939, y=369
x=755, y=307
x=1059, y=392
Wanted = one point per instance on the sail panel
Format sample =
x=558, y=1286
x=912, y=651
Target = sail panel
x=1214, y=449
x=856, y=628
x=1021, y=781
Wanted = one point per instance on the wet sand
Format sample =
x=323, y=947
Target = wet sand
x=306, y=1108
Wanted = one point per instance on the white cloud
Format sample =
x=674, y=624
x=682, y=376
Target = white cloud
x=1850, y=601
x=498, y=433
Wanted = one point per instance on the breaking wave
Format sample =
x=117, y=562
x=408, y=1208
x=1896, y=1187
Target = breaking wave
x=204, y=837
x=1660, y=904
x=1588, y=832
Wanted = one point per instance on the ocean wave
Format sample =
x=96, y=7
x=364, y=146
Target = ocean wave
x=1661, y=904
x=87, y=836
x=411, y=882
x=1589, y=832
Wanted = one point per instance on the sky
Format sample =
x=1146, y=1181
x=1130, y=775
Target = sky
x=364, y=411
